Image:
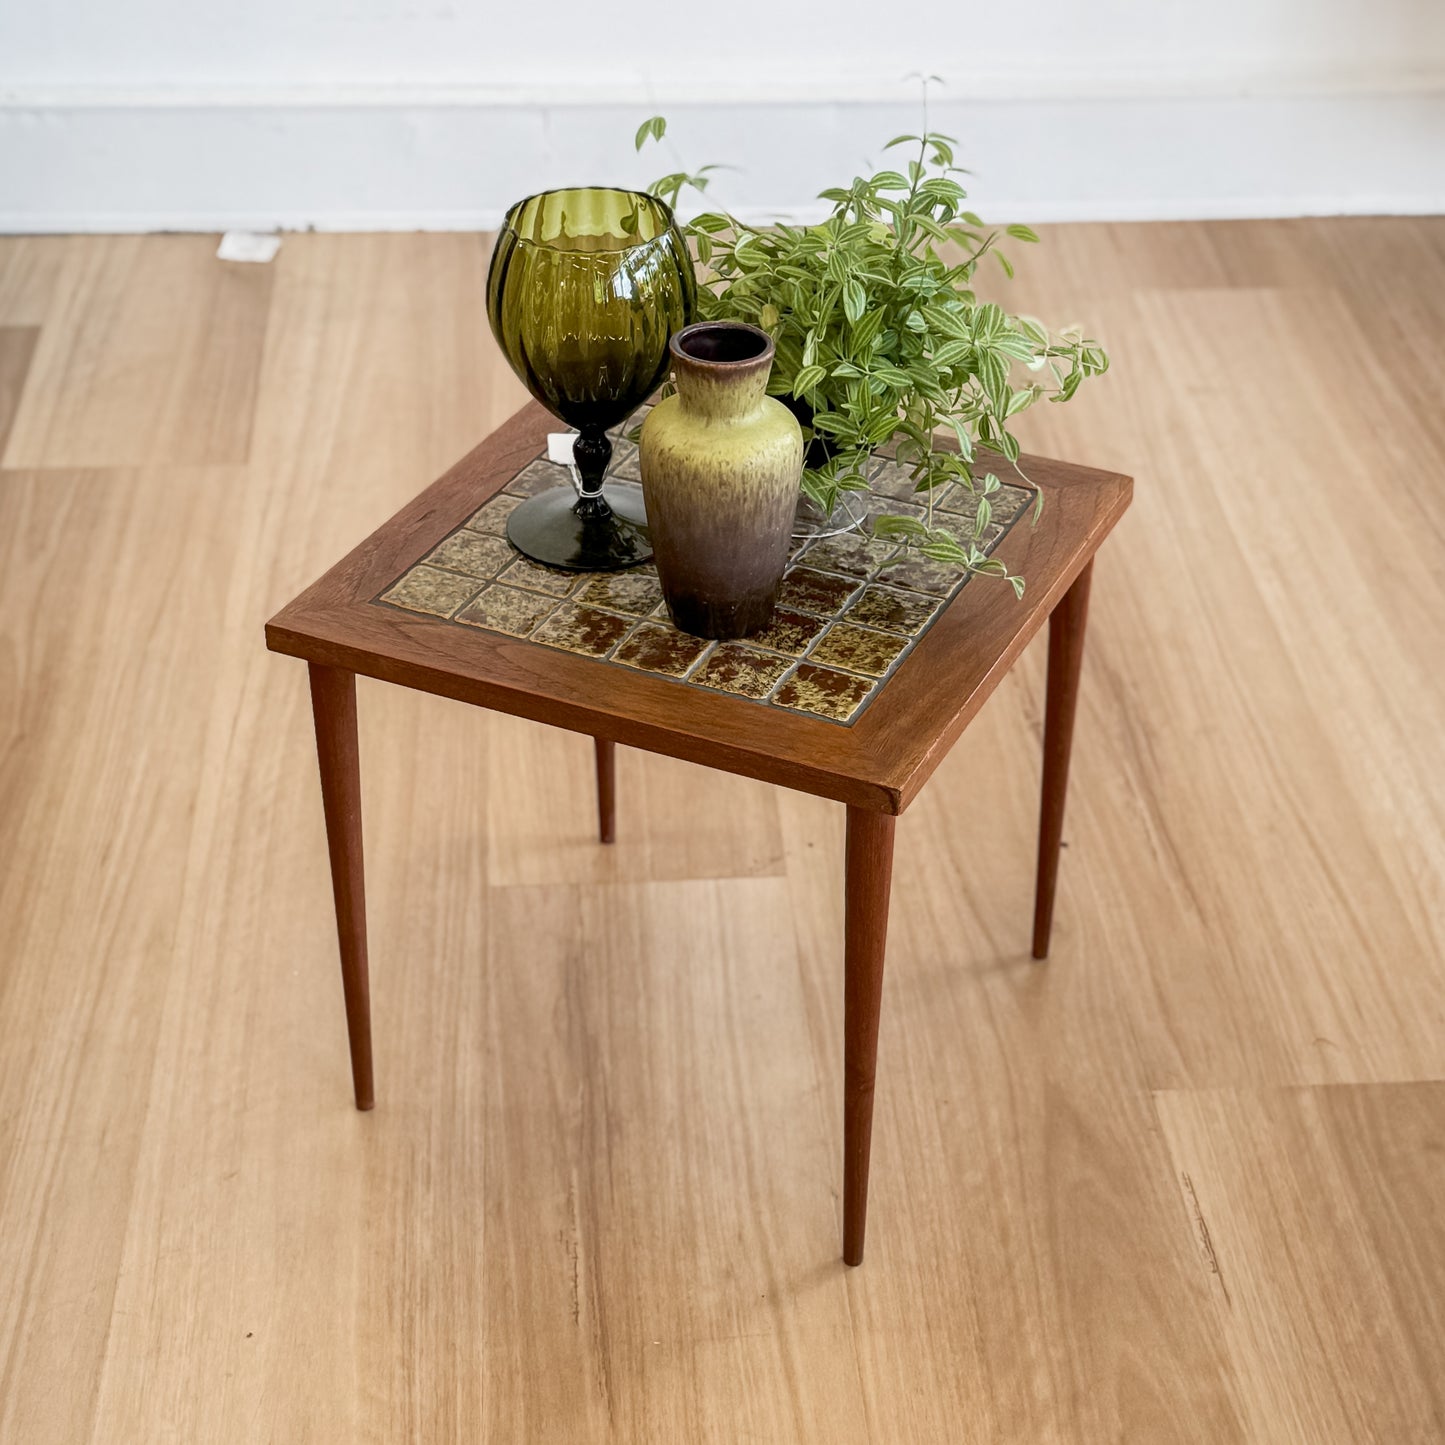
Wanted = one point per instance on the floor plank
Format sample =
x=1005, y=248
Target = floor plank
x=598, y=1199
x=1307, y=1206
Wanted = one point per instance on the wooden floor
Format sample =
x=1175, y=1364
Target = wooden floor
x=1182, y=1183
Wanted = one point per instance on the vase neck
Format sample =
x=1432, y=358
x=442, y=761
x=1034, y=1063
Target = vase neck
x=721, y=369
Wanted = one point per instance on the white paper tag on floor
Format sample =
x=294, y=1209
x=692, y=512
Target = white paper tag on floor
x=248, y=246
x=559, y=446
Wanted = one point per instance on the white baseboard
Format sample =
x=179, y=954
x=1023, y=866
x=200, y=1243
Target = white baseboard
x=423, y=159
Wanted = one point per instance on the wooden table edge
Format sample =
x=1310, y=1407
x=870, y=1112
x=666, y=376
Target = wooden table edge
x=588, y=719
x=907, y=784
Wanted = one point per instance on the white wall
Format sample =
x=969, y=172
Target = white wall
x=400, y=113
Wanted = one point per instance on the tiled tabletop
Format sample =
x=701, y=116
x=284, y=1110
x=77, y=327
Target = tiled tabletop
x=851, y=609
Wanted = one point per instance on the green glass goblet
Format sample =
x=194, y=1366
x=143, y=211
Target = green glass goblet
x=585, y=289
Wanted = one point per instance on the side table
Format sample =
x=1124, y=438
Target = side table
x=876, y=662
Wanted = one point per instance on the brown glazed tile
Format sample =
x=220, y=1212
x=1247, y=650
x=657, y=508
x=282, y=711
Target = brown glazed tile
x=537, y=578
x=891, y=480
x=891, y=507
x=658, y=648
x=893, y=611
x=471, y=552
x=816, y=591
x=425, y=589
x=857, y=649
x=538, y=476
x=737, y=668
x=823, y=692
x=506, y=609
x=626, y=464
x=922, y=575
x=583, y=629
x=789, y=632
x=492, y=518
x=957, y=501
x=1005, y=504
x=1008, y=502
x=851, y=553
x=636, y=591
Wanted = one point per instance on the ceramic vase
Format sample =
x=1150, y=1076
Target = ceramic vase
x=721, y=462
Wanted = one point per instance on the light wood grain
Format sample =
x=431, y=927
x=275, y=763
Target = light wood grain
x=1316, y=1215
x=599, y=1199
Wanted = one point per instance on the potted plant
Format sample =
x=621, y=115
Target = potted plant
x=882, y=339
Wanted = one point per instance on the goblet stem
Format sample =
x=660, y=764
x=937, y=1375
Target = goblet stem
x=591, y=452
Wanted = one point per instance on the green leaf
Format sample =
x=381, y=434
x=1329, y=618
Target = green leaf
x=892, y=526
x=654, y=126
x=855, y=299
x=965, y=441
x=894, y=376
x=807, y=379
x=1022, y=233
x=988, y=322
x=865, y=332
x=899, y=140
x=993, y=377
x=950, y=354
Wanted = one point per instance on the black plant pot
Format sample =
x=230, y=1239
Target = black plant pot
x=820, y=450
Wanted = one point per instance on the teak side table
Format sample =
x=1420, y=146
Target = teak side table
x=873, y=669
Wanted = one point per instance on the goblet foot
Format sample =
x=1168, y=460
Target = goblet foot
x=547, y=529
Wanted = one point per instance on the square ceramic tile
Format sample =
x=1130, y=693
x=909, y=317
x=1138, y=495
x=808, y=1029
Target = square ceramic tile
x=858, y=649
x=506, y=609
x=636, y=591
x=475, y=553
x=893, y=610
x=626, y=464
x=539, y=476
x=493, y=516
x=1009, y=502
x=425, y=589
x=655, y=647
x=891, y=480
x=812, y=591
x=851, y=553
x=892, y=507
x=823, y=692
x=583, y=629
x=851, y=606
x=789, y=632
x=919, y=574
x=536, y=578
x=739, y=668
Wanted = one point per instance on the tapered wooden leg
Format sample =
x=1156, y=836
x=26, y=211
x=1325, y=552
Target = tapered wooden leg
x=869, y=874
x=333, y=704
x=1066, y=656
x=606, y=790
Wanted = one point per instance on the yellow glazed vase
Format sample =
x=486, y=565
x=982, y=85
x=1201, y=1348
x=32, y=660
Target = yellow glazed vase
x=721, y=462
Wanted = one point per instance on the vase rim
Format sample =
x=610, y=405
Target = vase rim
x=663, y=211
x=763, y=356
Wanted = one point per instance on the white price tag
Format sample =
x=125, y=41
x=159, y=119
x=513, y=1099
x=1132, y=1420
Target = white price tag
x=559, y=447
x=248, y=246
